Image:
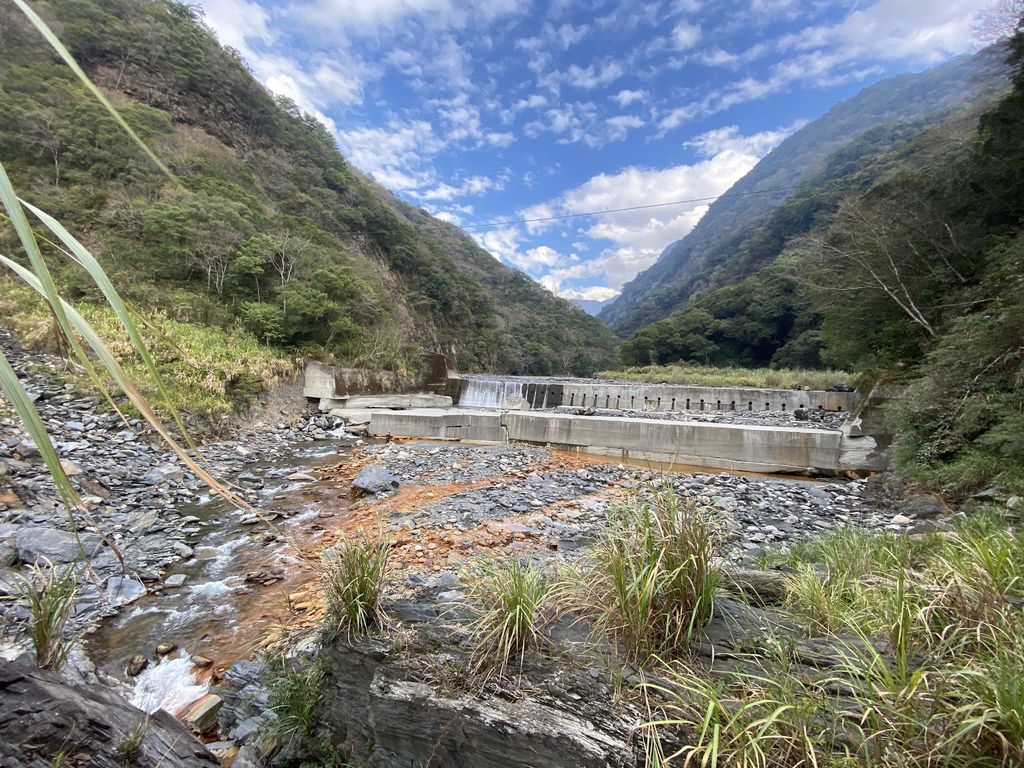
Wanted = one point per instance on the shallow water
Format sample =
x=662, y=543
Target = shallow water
x=216, y=613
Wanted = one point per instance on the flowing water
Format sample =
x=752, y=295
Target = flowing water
x=216, y=613
x=487, y=392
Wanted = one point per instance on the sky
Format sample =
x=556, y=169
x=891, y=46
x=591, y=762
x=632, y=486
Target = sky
x=488, y=112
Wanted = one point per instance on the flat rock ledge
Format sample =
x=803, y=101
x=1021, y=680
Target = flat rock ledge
x=43, y=716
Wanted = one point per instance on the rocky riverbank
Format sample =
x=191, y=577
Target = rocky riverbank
x=132, y=485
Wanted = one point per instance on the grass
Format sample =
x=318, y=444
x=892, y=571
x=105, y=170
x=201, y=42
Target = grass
x=720, y=376
x=652, y=579
x=49, y=593
x=927, y=639
x=513, y=597
x=208, y=372
x=354, y=576
x=129, y=749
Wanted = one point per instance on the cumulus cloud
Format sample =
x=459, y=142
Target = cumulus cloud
x=629, y=241
x=625, y=97
x=685, y=36
x=398, y=155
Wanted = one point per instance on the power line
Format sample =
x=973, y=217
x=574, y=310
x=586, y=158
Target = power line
x=492, y=224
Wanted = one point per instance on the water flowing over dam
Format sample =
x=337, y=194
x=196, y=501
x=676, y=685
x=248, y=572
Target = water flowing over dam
x=494, y=391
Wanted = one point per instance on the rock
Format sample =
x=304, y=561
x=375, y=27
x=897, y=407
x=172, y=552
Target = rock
x=900, y=520
x=164, y=648
x=766, y=587
x=201, y=716
x=375, y=480
x=182, y=550
x=8, y=555
x=1014, y=503
x=800, y=414
x=122, y=590
x=246, y=729
x=70, y=468
x=305, y=476
x=202, y=662
x=26, y=449
x=175, y=580
x=923, y=506
x=53, y=544
x=39, y=709
x=169, y=473
x=135, y=665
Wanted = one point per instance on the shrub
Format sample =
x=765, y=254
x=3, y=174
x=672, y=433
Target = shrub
x=652, y=580
x=355, y=573
x=512, y=596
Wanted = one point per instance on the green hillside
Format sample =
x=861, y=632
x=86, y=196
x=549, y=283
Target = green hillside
x=268, y=228
x=892, y=107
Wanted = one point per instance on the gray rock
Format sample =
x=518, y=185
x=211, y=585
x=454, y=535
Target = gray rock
x=375, y=480
x=923, y=506
x=175, y=580
x=123, y=590
x=169, y=473
x=39, y=709
x=53, y=544
x=8, y=555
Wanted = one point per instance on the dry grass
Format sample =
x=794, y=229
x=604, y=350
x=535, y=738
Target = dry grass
x=714, y=376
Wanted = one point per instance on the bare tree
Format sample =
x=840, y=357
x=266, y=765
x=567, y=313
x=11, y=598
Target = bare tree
x=1002, y=19
x=287, y=251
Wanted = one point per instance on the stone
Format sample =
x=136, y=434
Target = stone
x=175, y=580
x=165, y=648
x=8, y=555
x=169, y=473
x=202, y=662
x=201, y=716
x=1014, y=503
x=305, y=476
x=26, y=449
x=53, y=544
x=122, y=590
x=923, y=506
x=375, y=480
x=40, y=708
x=900, y=520
x=246, y=729
x=135, y=665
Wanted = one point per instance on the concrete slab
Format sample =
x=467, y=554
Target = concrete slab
x=723, y=446
x=318, y=381
x=439, y=424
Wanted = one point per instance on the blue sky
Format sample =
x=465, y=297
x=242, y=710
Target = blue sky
x=498, y=110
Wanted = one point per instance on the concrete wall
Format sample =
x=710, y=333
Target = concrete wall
x=435, y=423
x=670, y=397
x=720, y=446
x=724, y=446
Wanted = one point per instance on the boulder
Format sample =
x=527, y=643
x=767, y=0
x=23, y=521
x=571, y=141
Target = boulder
x=8, y=555
x=53, y=544
x=122, y=590
x=43, y=716
x=175, y=580
x=374, y=480
x=923, y=506
x=169, y=473
x=201, y=716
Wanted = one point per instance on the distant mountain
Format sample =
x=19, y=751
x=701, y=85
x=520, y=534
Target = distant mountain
x=910, y=100
x=591, y=306
x=266, y=226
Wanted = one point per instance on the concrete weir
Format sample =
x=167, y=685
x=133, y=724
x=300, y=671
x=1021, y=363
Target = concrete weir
x=719, y=446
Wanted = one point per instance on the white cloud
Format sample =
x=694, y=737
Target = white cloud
x=626, y=97
x=590, y=293
x=638, y=236
x=398, y=156
x=472, y=185
x=685, y=36
x=380, y=15
x=620, y=125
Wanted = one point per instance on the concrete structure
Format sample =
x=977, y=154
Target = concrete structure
x=545, y=393
x=363, y=402
x=719, y=446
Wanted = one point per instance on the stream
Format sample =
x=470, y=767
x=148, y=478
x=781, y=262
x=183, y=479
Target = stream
x=218, y=612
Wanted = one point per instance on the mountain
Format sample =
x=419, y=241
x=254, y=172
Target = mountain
x=265, y=227
x=591, y=306
x=911, y=99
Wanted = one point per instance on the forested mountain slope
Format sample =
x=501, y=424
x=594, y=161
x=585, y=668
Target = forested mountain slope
x=906, y=99
x=267, y=224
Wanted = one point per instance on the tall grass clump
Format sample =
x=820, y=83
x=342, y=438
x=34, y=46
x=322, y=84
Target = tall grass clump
x=49, y=593
x=355, y=572
x=513, y=597
x=652, y=578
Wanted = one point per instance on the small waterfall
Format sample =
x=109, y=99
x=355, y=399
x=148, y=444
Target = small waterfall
x=168, y=685
x=490, y=393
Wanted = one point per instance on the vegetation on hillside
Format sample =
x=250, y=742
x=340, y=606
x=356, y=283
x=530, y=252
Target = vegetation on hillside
x=267, y=227
x=735, y=376
x=904, y=259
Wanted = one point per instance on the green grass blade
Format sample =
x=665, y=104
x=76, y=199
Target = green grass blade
x=63, y=52
x=88, y=262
